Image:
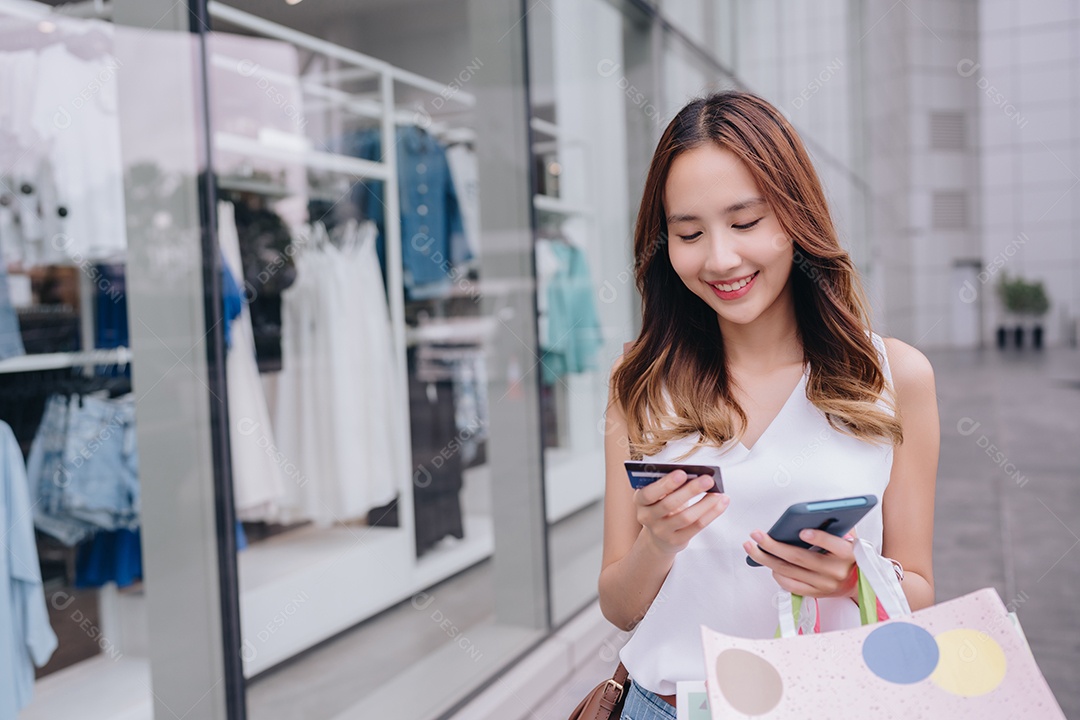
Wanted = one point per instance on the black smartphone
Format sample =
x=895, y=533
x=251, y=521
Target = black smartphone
x=642, y=473
x=834, y=516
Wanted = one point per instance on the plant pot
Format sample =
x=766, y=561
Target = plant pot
x=1037, y=337
x=1002, y=337
x=1018, y=337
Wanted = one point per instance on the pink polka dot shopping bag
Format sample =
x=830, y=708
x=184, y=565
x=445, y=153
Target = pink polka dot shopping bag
x=964, y=658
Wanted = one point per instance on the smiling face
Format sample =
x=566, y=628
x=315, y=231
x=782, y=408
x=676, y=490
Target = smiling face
x=724, y=240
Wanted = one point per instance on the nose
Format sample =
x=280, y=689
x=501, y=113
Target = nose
x=723, y=254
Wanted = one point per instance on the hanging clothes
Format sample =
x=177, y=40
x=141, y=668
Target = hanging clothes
x=569, y=323
x=11, y=344
x=83, y=467
x=110, y=306
x=60, y=101
x=339, y=417
x=433, y=241
x=437, y=474
x=267, y=270
x=258, y=481
x=465, y=365
x=27, y=639
x=465, y=172
x=438, y=479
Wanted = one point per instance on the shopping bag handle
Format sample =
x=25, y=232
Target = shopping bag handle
x=877, y=584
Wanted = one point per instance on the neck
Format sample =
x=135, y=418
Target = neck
x=769, y=342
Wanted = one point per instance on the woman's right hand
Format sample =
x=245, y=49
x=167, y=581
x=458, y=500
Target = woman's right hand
x=663, y=511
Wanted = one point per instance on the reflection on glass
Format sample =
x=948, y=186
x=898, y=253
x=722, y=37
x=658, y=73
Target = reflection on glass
x=587, y=103
x=72, y=571
x=348, y=188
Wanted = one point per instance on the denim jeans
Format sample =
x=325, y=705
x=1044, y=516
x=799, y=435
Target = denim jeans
x=46, y=478
x=644, y=705
x=83, y=468
x=101, y=465
x=11, y=343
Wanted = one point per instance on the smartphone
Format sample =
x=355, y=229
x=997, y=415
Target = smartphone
x=834, y=516
x=644, y=473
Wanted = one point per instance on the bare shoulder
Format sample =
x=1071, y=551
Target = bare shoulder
x=913, y=375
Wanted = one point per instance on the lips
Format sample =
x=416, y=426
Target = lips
x=735, y=289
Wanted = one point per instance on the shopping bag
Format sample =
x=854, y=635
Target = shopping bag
x=963, y=658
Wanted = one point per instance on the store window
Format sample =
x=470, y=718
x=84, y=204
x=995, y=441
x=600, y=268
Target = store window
x=335, y=340
x=368, y=363
x=105, y=452
x=593, y=108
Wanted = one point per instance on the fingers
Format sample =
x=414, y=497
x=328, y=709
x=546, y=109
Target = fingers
x=837, y=548
x=701, y=513
x=670, y=519
x=827, y=573
x=814, y=582
x=827, y=541
x=655, y=492
x=675, y=493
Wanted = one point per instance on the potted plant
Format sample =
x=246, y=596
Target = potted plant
x=1037, y=305
x=1024, y=299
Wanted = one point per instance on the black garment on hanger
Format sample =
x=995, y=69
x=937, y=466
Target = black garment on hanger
x=437, y=466
x=268, y=269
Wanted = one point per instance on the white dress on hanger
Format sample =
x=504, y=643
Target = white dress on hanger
x=384, y=422
x=258, y=478
x=340, y=410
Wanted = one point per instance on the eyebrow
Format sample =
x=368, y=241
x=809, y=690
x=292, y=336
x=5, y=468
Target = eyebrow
x=741, y=205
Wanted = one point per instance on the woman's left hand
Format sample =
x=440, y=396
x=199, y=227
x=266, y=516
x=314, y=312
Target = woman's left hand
x=807, y=572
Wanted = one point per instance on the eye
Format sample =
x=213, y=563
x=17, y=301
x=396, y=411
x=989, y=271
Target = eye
x=689, y=238
x=747, y=226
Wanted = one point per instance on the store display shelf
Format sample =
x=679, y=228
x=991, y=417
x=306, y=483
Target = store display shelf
x=252, y=185
x=317, y=159
x=56, y=361
x=101, y=688
x=573, y=480
x=304, y=587
x=557, y=206
x=456, y=330
x=296, y=590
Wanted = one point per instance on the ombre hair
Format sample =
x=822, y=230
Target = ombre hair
x=674, y=381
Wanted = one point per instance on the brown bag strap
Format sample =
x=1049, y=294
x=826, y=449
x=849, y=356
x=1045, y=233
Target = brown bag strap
x=614, y=695
x=606, y=699
x=621, y=674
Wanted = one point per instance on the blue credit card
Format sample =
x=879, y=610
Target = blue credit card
x=643, y=473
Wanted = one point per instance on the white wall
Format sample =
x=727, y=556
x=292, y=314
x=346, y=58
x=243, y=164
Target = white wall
x=1028, y=83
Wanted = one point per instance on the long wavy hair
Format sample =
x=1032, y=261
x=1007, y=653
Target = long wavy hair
x=674, y=381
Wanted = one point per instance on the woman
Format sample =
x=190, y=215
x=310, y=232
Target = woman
x=755, y=355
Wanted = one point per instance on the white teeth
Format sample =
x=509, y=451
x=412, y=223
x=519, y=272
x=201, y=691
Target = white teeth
x=736, y=286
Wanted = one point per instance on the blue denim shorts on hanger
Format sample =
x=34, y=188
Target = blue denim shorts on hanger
x=642, y=704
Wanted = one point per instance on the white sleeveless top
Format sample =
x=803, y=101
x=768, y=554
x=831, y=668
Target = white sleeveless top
x=799, y=458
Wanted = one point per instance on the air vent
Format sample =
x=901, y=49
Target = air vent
x=947, y=130
x=949, y=210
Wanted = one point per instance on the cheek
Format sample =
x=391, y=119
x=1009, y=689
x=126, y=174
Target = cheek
x=682, y=259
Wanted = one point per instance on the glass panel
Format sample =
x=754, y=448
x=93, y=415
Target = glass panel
x=592, y=103
x=101, y=318
x=366, y=457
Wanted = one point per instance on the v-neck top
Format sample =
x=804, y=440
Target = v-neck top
x=798, y=458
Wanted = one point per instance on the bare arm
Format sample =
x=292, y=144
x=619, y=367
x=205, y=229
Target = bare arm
x=908, y=506
x=643, y=529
